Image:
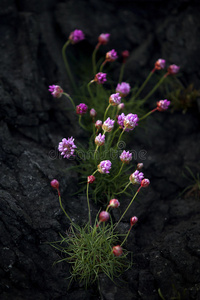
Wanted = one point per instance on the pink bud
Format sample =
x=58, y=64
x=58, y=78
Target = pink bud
x=91, y=179
x=117, y=250
x=55, y=184
x=173, y=69
x=133, y=220
x=103, y=216
x=139, y=166
x=125, y=55
x=145, y=182
x=120, y=106
x=93, y=113
x=114, y=203
x=160, y=64
x=98, y=124
x=104, y=38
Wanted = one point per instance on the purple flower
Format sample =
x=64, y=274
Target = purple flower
x=173, y=69
x=76, y=36
x=108, y=125
x=104, y=166
x=115, y=99
x=104, y=38
x=160, y=64
x=98, y=124
x=130, y=121
x=111, y=55
x=100, y=78
x=126, y=157
x=56, y=91
x=163, y=105
x=100, y=139
x=120, y=120
x=93, y=113
x=81, y=109
x=67, y=147
x=123, y=89
x=136, y=177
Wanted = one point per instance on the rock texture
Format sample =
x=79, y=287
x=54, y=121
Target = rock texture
x=165, y=242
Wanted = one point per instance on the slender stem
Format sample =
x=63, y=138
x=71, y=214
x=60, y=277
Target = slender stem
x=68, y=96
x=95, y=152
x=114, y=135
x=60, y=202
x=80, y=123
x=67, y=65
x=102, y=65
x=121, y=73
x=109, y=105
x=94, y=59
x=120, y=136
x=126, y=237
x=94, y=172
x=118, y=172
x=143, y=85
x=127, y=207
x=149, y=113
x=88, y=202
x=124, y=189
x=89, y=90
x=155, y=87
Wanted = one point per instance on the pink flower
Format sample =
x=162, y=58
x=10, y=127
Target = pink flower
x=93, y=113
x=111, y=55
x=117, y=250
x=108, y=125
x=67, y=147
x=160, y=64
x=139, y=166
x=115, y=99
x=163, y=105
x=76, y=36
x=81, y=109
x=123, y=89
x=133, y=220
x=55, y=184
x=104, y=216
x=126, y=157
x=145, y=182
x=100, y=139
x=56, y=91
x=104, y=166
x=91, y=179
x=98, y=124
x=130, y=121
x=136, y=177
x=104, y=38
x=114, y=203
x=120, y=106
x=100, y=78
x=173, y=69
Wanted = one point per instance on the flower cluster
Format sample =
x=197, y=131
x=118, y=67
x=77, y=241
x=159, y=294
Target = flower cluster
x=67, y=147
x=123, y=89
x=108, y=125
x=136, y=177
x=111, y=55
x=128, y=122
x=104, y=166
x=100, y=139
x=115, y=99
x=100, y=78
x=163, y=105
x=81, y=109
x=126, y=157
x=56, y=91
x=76, y=36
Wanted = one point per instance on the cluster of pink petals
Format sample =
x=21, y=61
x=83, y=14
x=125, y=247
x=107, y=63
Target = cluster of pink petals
x=104, y=166
x=123, y=89
x=111, y=55
x=67, y=147
x=136, y=177
x=104, y=38
x=56, y=91
x=98, y=124
x=163, y=105
x=108, y=125
x=100, y=78
x=81, y=109
x=129, y=122
x=93, y=113
x=100, y=139
x=76, y=36
x=120, y=106
x=115, y=99
x=114, y=203
x=173, y=69
x=126, y=157
x=160, y=64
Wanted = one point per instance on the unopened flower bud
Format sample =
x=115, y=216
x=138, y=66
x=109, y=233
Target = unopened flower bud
x=114, y=203
x=145, y=182
x=76, y=36
x=133, y=220
x=125, y=55
x=98, y=124
x=104, y=216
x=90, y=179
x=163, y=105
x=93, y=112
x=111, y=55
x=173, y=69
x=117, y=250
x=55, y=184
x=160, y=64
x=104, y=38
x=139, y=166
x=120, y=106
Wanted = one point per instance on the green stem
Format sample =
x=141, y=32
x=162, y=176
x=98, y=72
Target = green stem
x=109, y=105
x=155, y=87
x=149, y=113
x=126, y=237
x=114, y=135
x=118, y=172
x=94, y=59
x=120, y=136
x=143, y=85
x=68, y=96
x=124, y=189
x=88, y=202
x=89, y=90
x=121, y=73
x=80, y=123
x=102, y=65
x=60, y=202
x=67, y=65
x=128, y=207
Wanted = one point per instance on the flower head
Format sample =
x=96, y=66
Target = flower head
x=120, y=106
x=111, y=55
x=136, y=177
x=81, y=109
x=130, y=121
x=56, y=91
x=139, y=166
x=145, y=182
x=173, y=69
x=100, y=139
x=117, y=250
x=120, y=120
x=114, y=203
x=104, y=38
x=133, y=220
x=100, y=78
x=67, y=147
x=115, y=99
x=123, y=89
x=91, y=179
x=160, y=64
x=104, y=166
x=76, y=36
x=104, y=216
x=126, y=157
x=163, y=105
x=98, y=124
x=93, y=113
x=55, y=183
x=108, y=125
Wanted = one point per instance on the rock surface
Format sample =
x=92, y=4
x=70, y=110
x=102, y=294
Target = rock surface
x=165, y=242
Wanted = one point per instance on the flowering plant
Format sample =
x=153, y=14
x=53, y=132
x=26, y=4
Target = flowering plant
x=106, y=168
